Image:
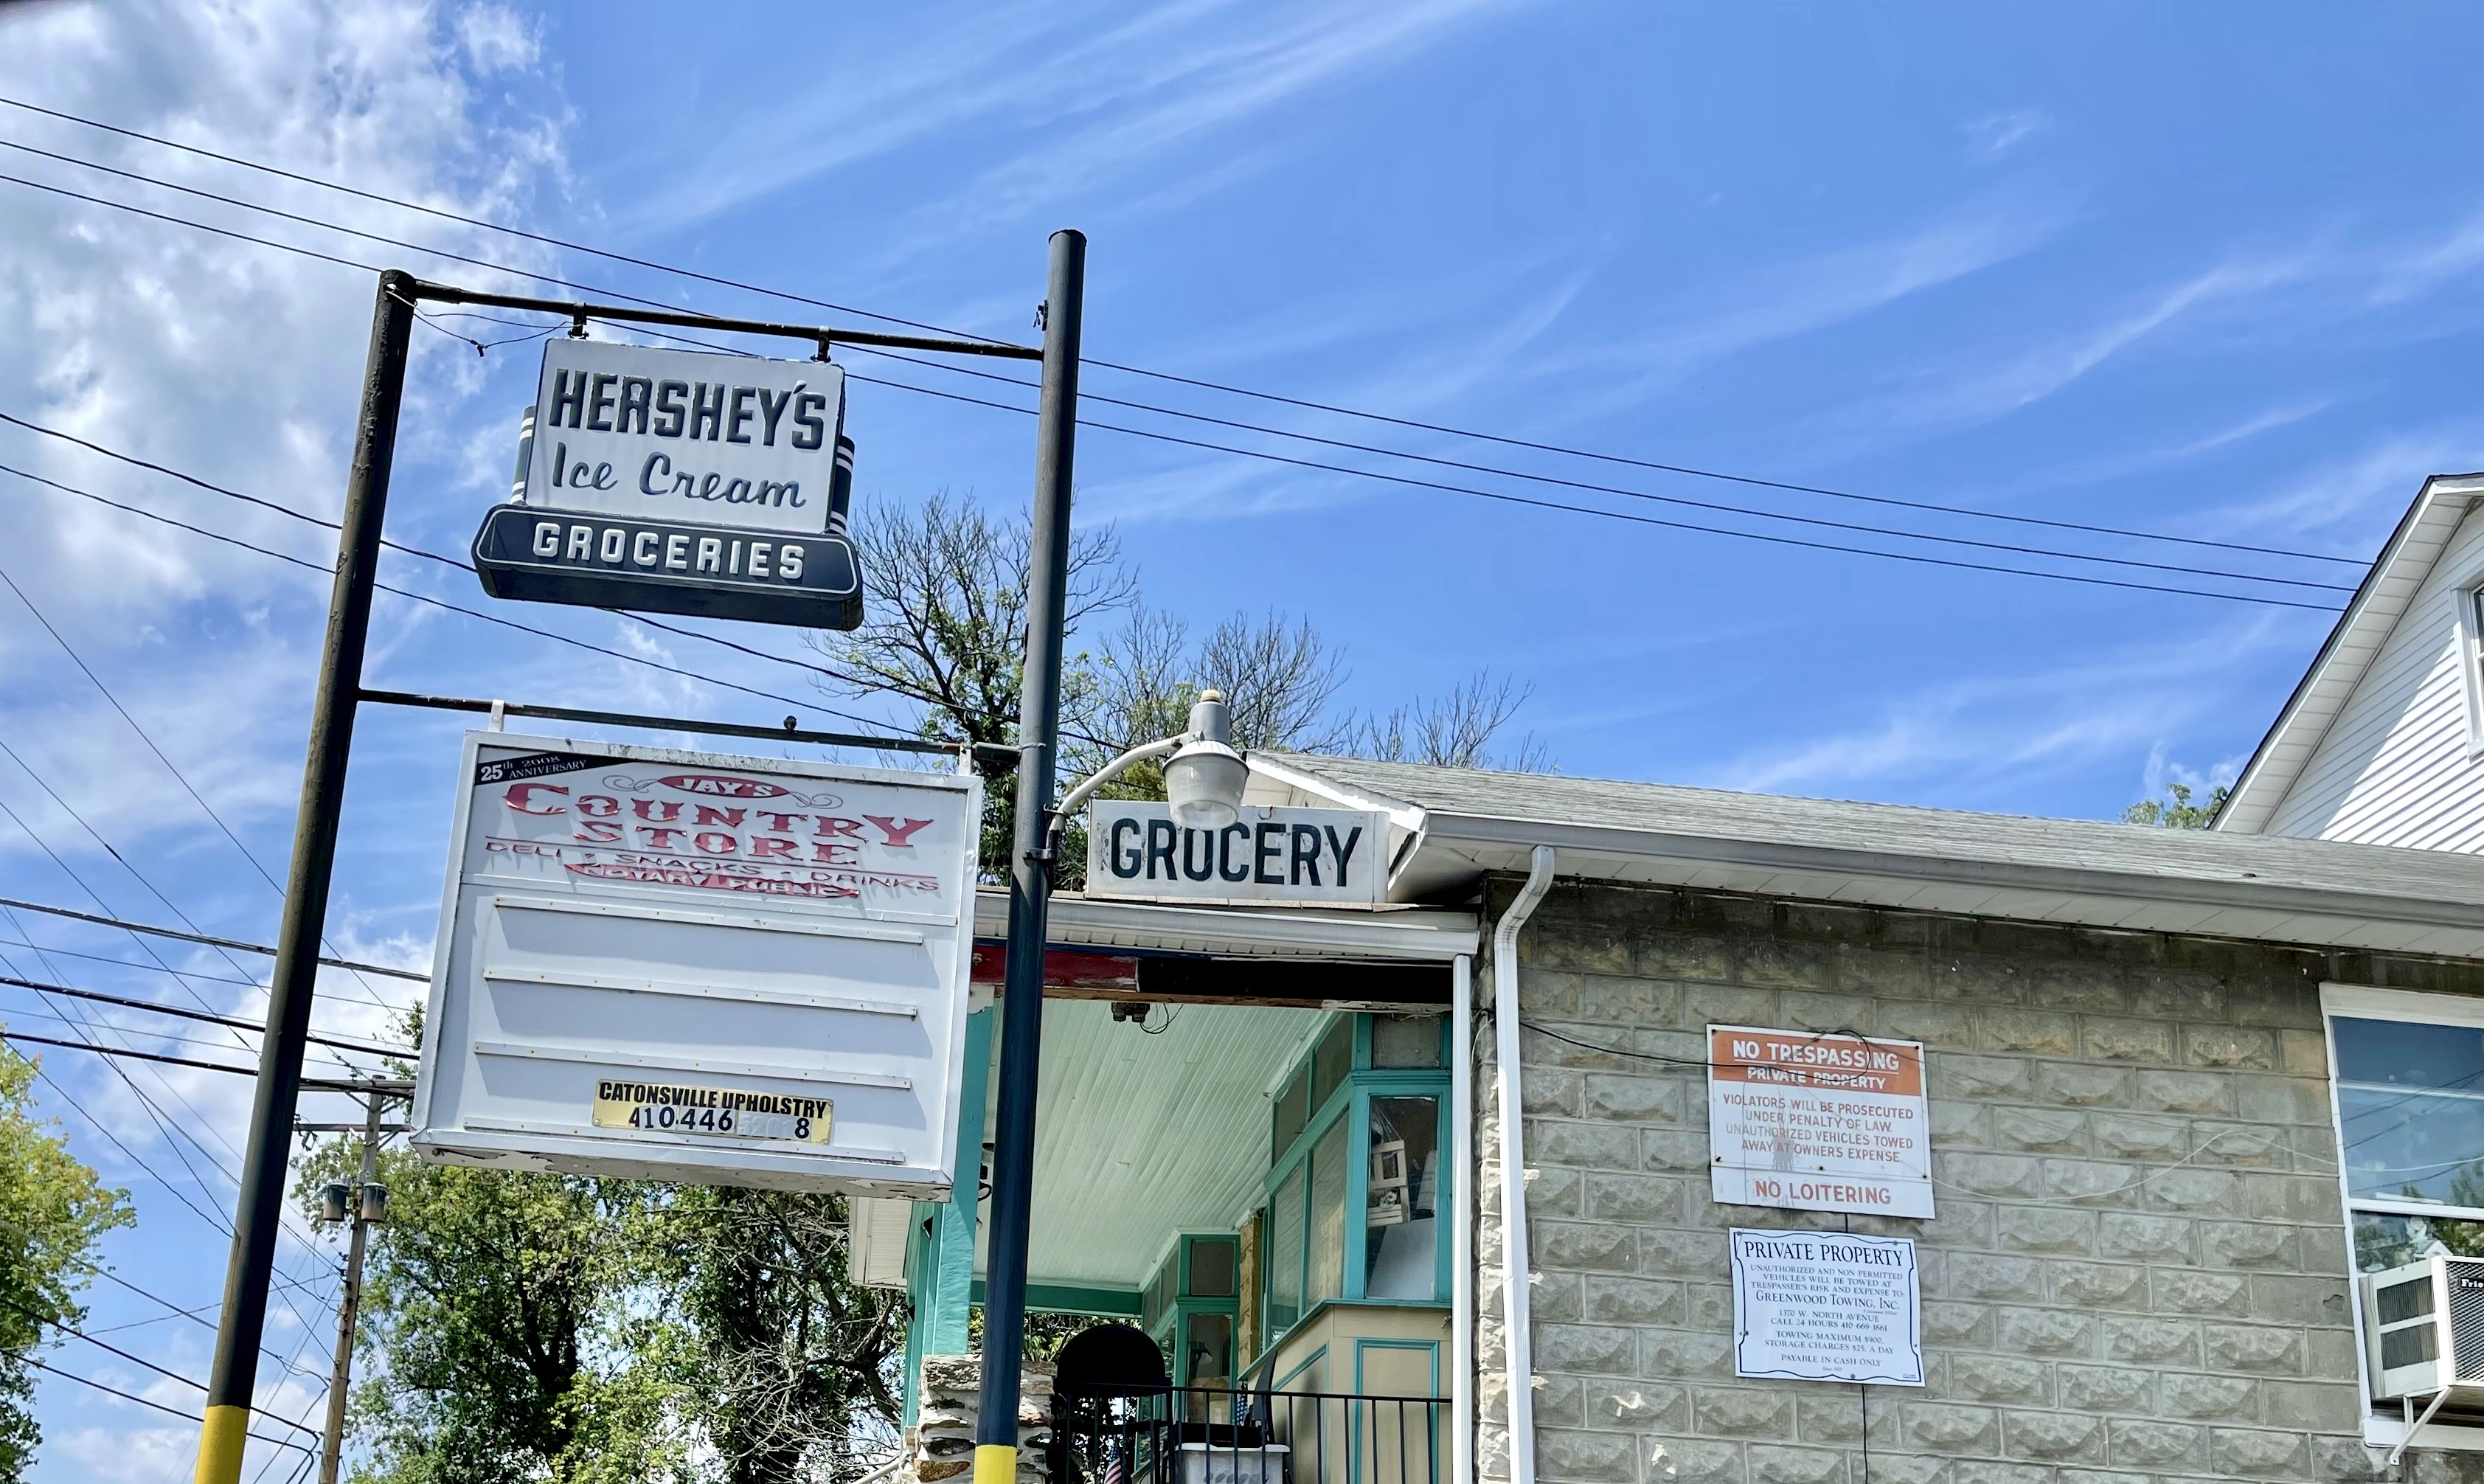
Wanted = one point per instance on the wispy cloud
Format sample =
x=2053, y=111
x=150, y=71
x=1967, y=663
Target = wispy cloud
x=1095, y=99
x=1965, y=737
x=1786, y=300
x=1997, y=134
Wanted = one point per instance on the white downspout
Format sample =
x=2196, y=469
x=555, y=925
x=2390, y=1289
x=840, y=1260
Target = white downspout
x=1517, y=1341
x=1462, y=1212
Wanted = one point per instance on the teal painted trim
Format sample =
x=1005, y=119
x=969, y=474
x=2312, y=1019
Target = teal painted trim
x=1073, y=1299
x=952, y=1249
x=1430, y=1348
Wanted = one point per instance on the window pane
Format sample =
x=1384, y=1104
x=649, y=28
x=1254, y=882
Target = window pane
x=1207, y=1352
x=2411, y=1109
x=1286, y=1124
x=1285, y=1256
x=2385, y=1242
x=1211, y=1268
x=1401, y=1236
x=1404, y=1041
x=1328, y=1214
x=1331, y=1063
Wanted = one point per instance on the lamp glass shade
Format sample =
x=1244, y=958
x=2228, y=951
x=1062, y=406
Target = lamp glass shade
x=1203, y=784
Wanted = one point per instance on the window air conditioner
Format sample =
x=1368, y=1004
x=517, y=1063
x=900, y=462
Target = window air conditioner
x=2426, y=1325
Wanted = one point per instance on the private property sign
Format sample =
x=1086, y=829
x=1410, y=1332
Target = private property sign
x=685, y=967
x=1817, y=1121
x=1270, y=854
x=1823, y=1305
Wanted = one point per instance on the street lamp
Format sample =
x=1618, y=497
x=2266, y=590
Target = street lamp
x=1203, y=777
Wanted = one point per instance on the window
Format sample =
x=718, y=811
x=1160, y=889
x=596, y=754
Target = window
x=1353, y=1187
x=1401, y=1240
x=2408, y=1082
x=2471, y=653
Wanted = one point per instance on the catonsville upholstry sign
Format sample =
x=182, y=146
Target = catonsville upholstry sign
x=688, y=966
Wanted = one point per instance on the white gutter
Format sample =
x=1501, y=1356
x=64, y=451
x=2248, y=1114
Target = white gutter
x=1462, y=1209
x=1517, y=1342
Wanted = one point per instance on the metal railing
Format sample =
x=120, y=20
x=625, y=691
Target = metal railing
x=1205, y=1434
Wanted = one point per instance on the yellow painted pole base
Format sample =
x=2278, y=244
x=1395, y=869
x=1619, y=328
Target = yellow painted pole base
x=220, y=1444
x=995, y=1463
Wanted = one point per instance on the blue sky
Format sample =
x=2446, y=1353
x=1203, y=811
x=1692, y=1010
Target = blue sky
x=2207, y=271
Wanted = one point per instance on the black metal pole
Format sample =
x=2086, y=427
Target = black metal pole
x=260, y=1206
x=1038, y=731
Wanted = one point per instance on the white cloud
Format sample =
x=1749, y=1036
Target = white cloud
x=1969, y=735
x=1997, y=134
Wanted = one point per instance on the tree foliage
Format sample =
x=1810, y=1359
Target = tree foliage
x=53, y=1212
x=2175, y=811
x=948, y=628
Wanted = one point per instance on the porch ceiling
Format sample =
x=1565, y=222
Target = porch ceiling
x=1139, y=1136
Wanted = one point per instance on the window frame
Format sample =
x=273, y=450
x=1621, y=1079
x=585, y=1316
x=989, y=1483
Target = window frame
x=2360, y=1002
x=1350, y=1102
x=2467, y=598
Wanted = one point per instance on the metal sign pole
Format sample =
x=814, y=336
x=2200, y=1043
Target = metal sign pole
x=260, y=1206
x=1030, y=874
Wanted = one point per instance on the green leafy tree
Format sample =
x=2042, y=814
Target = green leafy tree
x=508, y=1336
x=2175, y=811
x=53, y=1212
x=792, y=1363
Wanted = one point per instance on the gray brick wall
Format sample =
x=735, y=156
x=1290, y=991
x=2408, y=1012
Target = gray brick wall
x=2139, y=1268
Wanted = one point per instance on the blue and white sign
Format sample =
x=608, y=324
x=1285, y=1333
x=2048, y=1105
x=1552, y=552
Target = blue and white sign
x=1826, y=1305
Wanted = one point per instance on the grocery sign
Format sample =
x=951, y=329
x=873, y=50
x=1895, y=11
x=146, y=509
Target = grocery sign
x=1277, y=854
x=1813, y=1120
x=677, y=481
x=686, y=966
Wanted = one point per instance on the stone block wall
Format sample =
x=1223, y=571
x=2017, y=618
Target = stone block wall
x=2138, y=1272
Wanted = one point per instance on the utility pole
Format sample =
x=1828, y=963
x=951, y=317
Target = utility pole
x=340, y=1376
x=260, y=1208
x=1038, y=735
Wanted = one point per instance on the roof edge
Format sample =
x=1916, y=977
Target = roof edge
x=2255, y=773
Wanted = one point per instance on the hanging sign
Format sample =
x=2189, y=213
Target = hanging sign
x=685, y=967
x=676, y=481
x=1817, y=1122
x=1272, y=854
x=1823, y=1305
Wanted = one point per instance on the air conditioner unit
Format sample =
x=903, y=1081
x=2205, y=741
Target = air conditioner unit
x=2424, y=1323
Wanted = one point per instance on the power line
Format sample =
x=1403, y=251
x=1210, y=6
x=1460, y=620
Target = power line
x=438, y=602
x=75, y=1333
x=319, y=1084
x=1506, y=498
x=1199, y=444
x=102, y=998
x=1609, y=489
x=168, y=766
x=1683, y=470
x=131, y=1396
x=412, y=551
x=195, y=937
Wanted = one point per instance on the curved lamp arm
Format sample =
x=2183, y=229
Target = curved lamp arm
x=1069, y=801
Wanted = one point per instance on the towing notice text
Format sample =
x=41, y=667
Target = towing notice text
x=1817, y=1121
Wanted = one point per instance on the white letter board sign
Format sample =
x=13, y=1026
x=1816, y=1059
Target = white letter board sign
x=712, y=969
x=1823, y=1305
x=1275, y=854
x=1817, y=1121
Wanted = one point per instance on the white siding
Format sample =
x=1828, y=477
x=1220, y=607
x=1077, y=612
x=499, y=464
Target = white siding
x=2394, y=768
